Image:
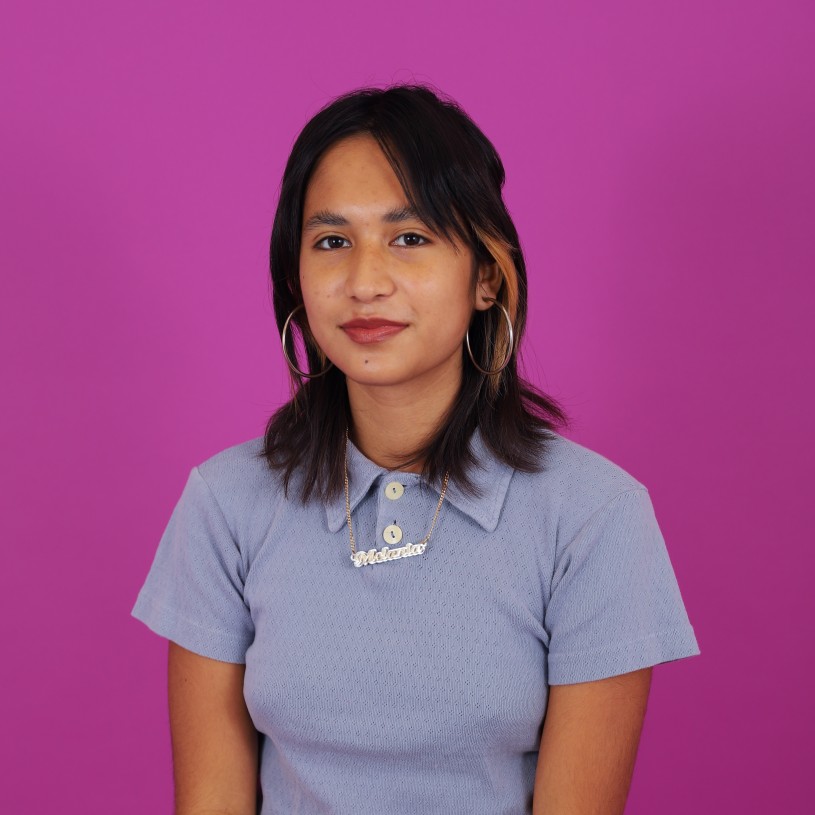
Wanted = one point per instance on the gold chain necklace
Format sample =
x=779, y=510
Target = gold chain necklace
x=384, y=555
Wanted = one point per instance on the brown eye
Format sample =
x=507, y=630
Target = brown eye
x=412, y=239
x=332, y=239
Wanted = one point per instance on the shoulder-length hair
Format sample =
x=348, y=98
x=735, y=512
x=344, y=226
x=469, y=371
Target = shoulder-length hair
x=452, y=176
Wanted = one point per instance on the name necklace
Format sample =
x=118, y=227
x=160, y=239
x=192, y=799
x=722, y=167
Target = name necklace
x=384, y=555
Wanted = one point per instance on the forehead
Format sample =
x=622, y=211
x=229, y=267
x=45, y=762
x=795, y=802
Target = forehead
x=354, y=168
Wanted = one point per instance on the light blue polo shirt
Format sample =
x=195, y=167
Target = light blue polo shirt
x=418, y=684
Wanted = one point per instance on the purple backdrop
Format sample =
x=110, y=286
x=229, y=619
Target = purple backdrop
x=661, y=174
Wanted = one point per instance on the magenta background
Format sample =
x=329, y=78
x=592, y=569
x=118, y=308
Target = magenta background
x=661, y=175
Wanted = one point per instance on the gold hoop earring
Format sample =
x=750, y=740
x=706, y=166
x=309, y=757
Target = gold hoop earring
x=291, y=365
x=510, y=350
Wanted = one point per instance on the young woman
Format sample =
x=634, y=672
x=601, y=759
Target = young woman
x=412, y=595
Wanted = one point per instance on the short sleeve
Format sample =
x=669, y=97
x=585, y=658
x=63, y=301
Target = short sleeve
x=193, y=594
x=615, y=605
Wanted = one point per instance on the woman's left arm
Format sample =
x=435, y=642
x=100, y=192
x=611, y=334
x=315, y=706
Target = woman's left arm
x=591, y=733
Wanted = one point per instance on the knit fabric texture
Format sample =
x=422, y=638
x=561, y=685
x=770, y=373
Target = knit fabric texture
x=419, y=684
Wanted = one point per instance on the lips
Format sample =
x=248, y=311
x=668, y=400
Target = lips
x=371, y=330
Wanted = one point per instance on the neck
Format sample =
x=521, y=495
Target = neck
x=391, y=421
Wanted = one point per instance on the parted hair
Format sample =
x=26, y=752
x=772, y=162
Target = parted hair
x=453, y=177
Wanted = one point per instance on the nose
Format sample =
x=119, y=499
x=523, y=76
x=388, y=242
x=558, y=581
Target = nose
x=368, y=273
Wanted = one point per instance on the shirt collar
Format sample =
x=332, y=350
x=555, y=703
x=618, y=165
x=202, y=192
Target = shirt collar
x=490, y=474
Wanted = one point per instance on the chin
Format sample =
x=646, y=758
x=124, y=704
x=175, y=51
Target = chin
x=372, y=379
x=375, y=374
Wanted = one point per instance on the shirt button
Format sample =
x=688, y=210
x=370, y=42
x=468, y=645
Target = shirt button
x=394, y=490
x=392, y=534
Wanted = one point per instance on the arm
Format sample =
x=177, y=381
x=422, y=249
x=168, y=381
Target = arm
x=215, y=744
x=591, y=733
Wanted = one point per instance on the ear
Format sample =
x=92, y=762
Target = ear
x=489, y=281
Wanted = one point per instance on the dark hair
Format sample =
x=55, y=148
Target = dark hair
x=452, y=176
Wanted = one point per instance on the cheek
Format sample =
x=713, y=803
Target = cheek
x=449, y=307
x=319, y=281
x=324, y=320
x=315, y=290
x=318, y=316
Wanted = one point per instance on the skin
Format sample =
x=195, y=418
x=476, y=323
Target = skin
x=370, y=267
x=589, y=745
x=399, y=270
x=214, y=742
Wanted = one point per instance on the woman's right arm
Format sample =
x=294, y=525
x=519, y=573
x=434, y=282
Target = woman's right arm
x=214, y=742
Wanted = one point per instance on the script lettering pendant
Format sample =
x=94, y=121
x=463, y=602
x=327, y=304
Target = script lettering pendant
x=385, y=555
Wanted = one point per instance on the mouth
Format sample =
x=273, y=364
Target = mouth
x=365, y=332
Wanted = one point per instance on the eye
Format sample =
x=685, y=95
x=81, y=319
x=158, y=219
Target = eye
x=410, y=238
x=333, y=245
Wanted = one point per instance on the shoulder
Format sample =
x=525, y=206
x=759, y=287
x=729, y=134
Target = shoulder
x=574, y=467
x=235, y=464
x=242, y=484
x=573, y=483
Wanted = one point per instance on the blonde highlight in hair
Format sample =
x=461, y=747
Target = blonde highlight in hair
x=452, y=176
x=501, y=252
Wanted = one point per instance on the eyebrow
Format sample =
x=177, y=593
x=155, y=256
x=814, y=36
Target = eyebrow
x=325, y=218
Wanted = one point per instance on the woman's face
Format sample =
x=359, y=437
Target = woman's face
x=366, y=258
